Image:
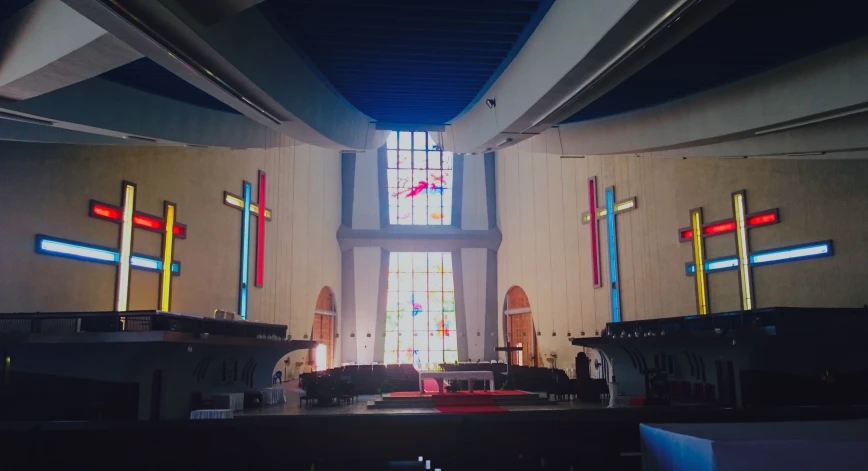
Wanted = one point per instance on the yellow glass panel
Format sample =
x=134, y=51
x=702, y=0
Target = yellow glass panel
x=166, y=286
x=741, y=242
x=234, y=201
x=699, y=262
x=625, y=205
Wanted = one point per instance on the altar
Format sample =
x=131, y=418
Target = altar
x=469, y=376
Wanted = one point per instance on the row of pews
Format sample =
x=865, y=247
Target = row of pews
x=378, y=379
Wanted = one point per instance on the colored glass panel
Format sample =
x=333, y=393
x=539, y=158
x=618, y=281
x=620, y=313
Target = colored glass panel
x=741, y=241
x=765, y=218
x=72, y=250
x=128, y=204
x=818, y=249
x=419, y=180
x=595, y=232
x=106, y=211
x=719, y=228
x=245, y=253
x=260, y=234
x=88, y=253
x=147, y=222
x=765, y=257
x=613, y=254
x=168, y=250
x=420, y=309
x=699, y=262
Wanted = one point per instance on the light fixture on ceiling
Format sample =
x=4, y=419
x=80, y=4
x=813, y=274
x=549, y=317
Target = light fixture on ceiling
x=504, y=142
x=491, y=103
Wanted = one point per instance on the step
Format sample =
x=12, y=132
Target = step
x=427, y=402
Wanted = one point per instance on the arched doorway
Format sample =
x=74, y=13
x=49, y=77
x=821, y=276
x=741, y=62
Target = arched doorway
x=323, y=332
x=519, y=328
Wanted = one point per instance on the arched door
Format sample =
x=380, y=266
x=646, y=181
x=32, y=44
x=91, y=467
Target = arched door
x=520, y=331
x=323, y=332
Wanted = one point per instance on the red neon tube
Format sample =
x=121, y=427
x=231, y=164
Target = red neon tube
x=592, y=210
x=260, y=232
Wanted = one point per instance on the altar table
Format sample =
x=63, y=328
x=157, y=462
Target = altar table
x=469, y=376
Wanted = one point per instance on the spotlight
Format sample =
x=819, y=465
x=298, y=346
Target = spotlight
x=491, y=102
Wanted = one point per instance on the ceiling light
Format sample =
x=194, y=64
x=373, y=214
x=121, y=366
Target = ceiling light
x=491, y=102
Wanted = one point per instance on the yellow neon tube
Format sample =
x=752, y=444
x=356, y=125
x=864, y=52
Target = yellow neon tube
x=742, y=245
x=123, y=286
x=237, y=202
x=168, y=246
x=624, y=205
x=699, y=263
x=234, y=201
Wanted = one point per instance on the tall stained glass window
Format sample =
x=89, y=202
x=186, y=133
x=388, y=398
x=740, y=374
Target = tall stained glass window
x=420, y=309
x=419, y=175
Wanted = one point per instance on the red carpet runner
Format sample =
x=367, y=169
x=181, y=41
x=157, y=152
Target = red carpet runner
x=465, y=403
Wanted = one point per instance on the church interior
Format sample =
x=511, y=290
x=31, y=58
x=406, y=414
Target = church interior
x=434, y=234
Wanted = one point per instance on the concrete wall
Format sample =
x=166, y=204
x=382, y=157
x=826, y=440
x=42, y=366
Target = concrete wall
x=545, y=249
x=46, y=189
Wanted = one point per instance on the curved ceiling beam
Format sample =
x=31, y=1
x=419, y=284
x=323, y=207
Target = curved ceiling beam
x=580, y=50
x=26, y=132
x=105, y=108
x=841, y=138
x=159, y=34
x=47, y=46
x=758, y=105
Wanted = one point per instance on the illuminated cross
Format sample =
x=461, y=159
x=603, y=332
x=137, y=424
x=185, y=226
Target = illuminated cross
x=609, y=211
x=123, y=257
x=249, y=209
x=744, y=259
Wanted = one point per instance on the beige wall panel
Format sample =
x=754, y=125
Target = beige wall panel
x=46, y=188
x=546, y=250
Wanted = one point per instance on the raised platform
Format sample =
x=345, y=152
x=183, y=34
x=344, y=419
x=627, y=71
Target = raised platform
x=131, y=365
x=459, y=402
x=767, y=357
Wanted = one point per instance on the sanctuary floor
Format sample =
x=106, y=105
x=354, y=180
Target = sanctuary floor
x=291, y=407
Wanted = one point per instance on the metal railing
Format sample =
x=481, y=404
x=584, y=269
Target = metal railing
x=133, y=321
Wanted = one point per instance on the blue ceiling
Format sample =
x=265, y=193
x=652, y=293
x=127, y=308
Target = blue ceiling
x=749, y=37
x=408, y=61
x=148, y=76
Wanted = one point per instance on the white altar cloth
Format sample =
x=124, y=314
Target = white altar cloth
x=470, y=376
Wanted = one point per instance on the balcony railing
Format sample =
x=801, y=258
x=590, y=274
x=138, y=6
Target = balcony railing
x=133, y=321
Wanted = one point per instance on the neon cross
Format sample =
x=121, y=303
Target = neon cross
x=609, y=212
x=123, y=258
x=167, y=227
x=743, y=260
x=249, y=208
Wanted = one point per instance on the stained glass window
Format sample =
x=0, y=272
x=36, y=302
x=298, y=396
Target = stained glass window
x=419, y=179
x=420, y=309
